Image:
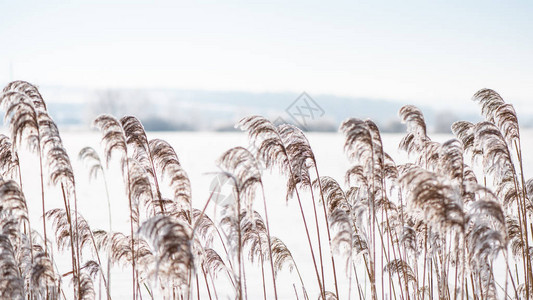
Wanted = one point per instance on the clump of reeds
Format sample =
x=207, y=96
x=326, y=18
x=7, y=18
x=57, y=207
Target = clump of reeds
x=433, y=227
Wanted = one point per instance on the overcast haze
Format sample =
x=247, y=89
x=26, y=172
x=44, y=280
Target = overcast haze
x=422, y=52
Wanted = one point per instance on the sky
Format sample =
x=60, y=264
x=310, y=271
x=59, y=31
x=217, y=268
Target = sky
x=435, y=53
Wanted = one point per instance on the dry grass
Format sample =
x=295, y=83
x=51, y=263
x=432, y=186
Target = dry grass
x=423, y=230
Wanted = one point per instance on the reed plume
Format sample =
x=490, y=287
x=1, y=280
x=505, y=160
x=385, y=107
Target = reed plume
x=171, y=241
x=9, y=161
x=167, y=164
x=12, y=282
x=136, y=138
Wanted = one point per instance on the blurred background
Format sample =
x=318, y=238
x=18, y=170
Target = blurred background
x=202, y=66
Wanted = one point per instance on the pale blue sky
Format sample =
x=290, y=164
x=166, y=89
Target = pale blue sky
x=414, y=51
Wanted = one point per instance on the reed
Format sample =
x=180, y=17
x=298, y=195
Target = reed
x=454, y=222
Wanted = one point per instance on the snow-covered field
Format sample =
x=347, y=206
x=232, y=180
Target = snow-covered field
x=198, y=152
